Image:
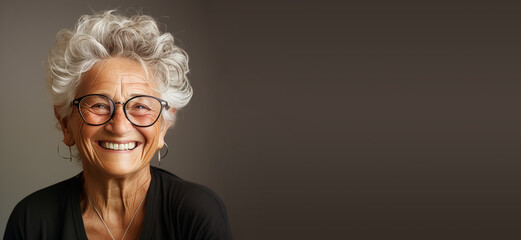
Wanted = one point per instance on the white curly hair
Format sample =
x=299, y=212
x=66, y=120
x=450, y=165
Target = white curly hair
x=106, y=35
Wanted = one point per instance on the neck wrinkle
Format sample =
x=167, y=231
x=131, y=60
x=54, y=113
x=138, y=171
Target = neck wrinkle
x=115, y=197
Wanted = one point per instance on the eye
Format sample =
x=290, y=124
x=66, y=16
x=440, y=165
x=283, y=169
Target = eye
x=141, y=107
x=99, y=106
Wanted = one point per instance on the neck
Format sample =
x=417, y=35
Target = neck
x=115, y=196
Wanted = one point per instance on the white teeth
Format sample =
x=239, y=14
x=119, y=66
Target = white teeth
x=119, y=147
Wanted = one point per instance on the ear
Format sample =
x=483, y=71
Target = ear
x=164, y=127
x=64, y=123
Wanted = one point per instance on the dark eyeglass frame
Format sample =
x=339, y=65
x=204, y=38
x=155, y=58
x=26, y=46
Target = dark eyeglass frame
x=164, y=104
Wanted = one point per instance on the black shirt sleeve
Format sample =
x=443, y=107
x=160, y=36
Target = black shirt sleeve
x=43, y=214
x=204, y=215
x=187, y=210
x=15, y=228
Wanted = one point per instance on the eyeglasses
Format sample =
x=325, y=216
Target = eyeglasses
x=141, y=111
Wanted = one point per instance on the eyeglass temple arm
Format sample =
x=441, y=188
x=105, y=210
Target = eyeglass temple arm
x=165, y=104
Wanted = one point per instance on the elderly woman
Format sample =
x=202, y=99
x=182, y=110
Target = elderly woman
x=117, y=84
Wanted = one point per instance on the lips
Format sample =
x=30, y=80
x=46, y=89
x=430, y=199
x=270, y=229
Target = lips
x=118, y=146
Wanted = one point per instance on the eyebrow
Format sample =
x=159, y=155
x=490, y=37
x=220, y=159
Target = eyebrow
x=130, y=96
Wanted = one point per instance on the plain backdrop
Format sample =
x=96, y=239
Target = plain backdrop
x=311, y=120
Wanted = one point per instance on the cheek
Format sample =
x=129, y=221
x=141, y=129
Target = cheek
x=82, y=130
x=82, y=134
x=76, y=126
x=151, y=135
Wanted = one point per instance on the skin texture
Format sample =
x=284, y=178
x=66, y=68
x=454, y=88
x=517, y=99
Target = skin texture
x=115, y=181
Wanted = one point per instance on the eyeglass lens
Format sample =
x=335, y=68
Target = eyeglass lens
x=141, y=111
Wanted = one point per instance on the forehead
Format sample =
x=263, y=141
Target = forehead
x=116, y=76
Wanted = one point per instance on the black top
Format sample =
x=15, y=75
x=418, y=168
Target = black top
x=174, y=209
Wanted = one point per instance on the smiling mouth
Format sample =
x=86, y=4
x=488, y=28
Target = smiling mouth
x=118, y=146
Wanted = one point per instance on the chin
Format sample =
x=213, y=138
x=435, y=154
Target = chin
x=120, y=171
x=120, y=167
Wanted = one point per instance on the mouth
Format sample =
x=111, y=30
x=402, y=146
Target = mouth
x=118, y=146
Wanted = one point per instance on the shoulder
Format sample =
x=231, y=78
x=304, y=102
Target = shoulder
x=185, y=193
x=198, y=210
x=43, y=200
x=171, y=182
x=41, y=207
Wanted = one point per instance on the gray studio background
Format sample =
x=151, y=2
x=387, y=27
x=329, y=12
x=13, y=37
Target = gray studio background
x=312, y=120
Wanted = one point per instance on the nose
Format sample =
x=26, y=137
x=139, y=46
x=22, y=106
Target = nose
x=119, y=124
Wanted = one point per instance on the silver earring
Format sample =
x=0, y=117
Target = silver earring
x=70, y=153
x=159, y=157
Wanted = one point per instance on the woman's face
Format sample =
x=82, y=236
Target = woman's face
x=119, y=79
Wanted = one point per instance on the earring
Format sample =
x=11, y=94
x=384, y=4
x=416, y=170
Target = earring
x=159, y=154
x=70, y=153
